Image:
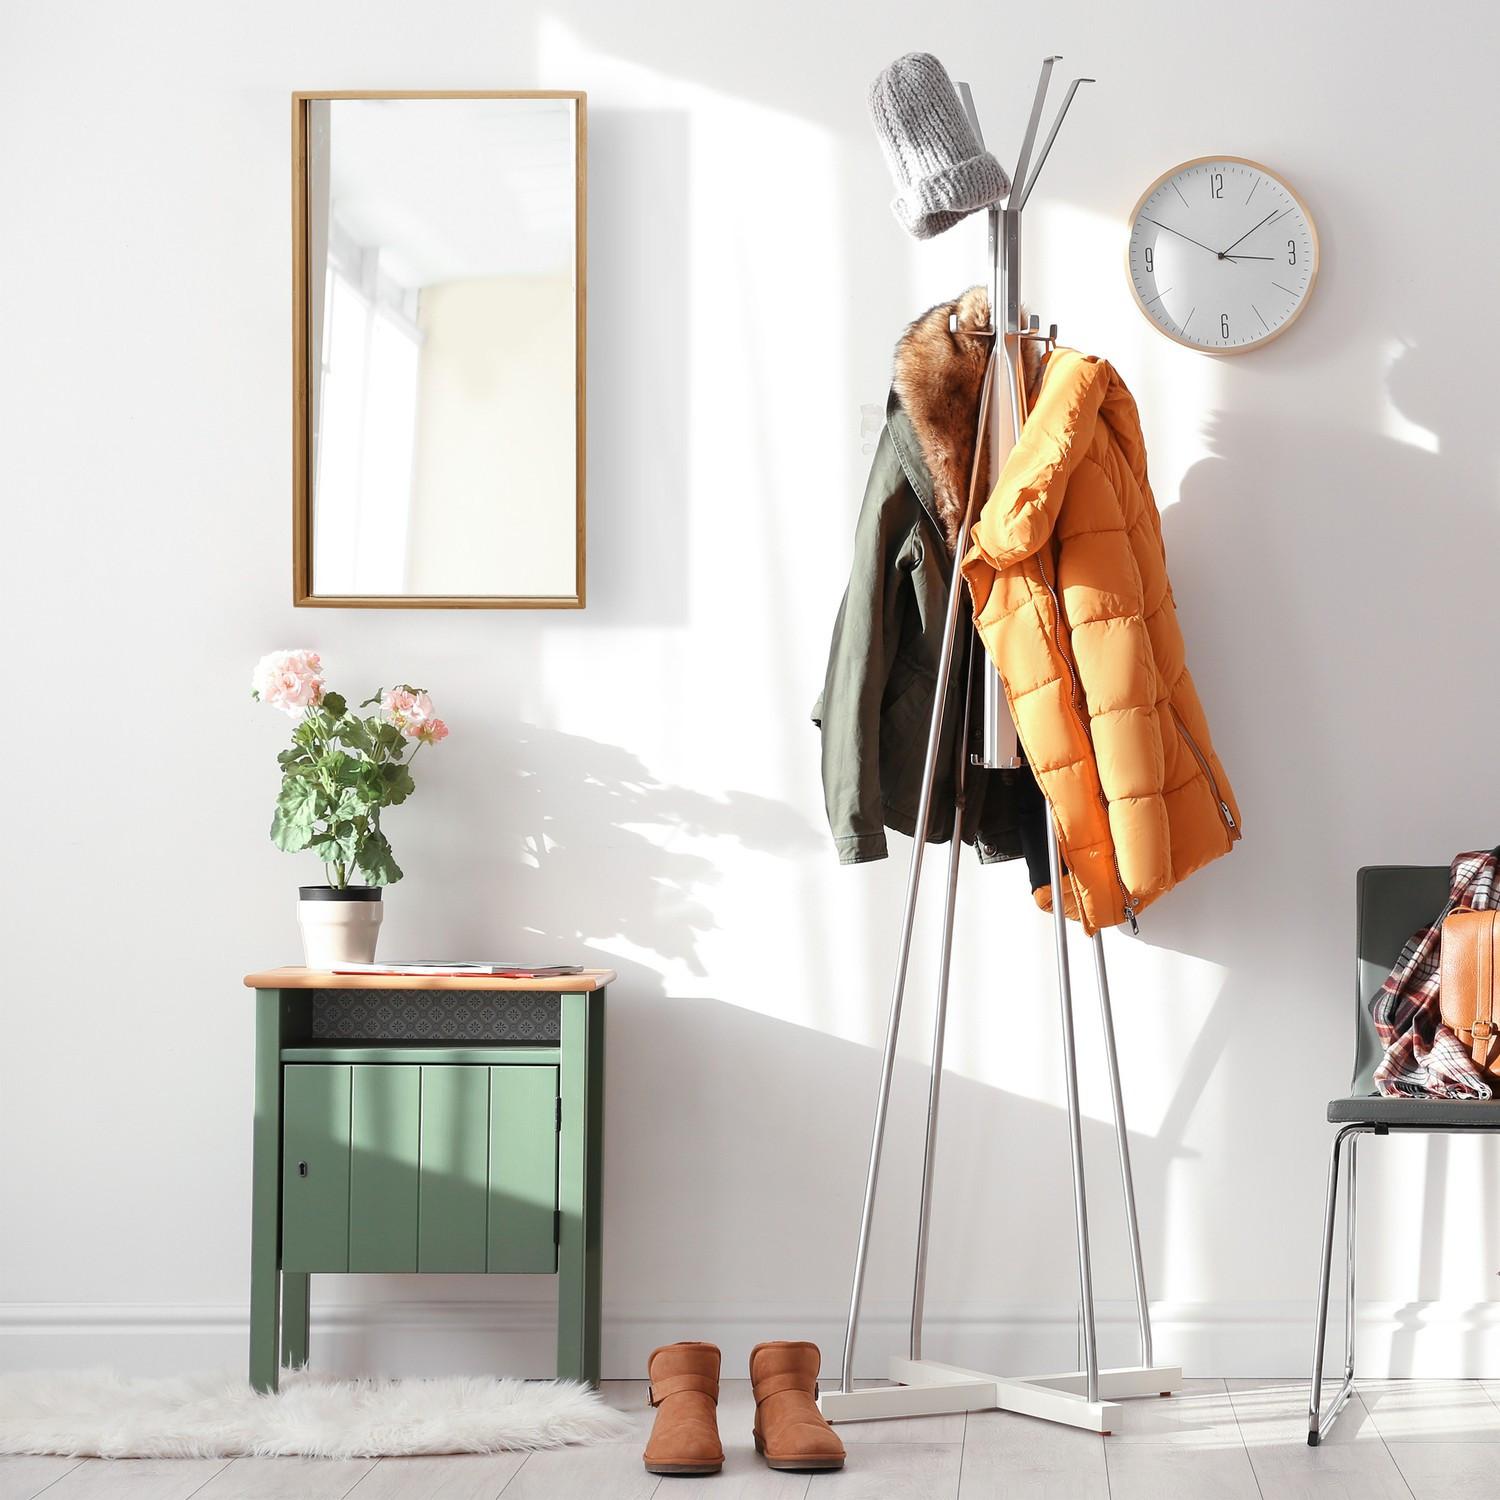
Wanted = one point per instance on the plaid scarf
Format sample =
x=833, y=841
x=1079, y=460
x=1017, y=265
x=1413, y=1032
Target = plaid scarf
x=1423, y=1058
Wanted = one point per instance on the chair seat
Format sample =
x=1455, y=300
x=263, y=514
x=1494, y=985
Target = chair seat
x=1379, y=1109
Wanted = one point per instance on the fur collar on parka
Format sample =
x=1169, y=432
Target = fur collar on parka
x=938, y=376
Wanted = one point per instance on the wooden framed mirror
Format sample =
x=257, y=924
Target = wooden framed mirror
x=438, y=273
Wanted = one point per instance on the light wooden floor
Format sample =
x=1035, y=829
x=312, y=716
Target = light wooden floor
x=1235, y=1440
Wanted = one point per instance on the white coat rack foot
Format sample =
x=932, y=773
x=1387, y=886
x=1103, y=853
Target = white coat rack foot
x=1086, y=1398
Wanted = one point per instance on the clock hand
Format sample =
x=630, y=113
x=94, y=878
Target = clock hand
x=1245, y=236
x=1180, y=235
x=1199, y=243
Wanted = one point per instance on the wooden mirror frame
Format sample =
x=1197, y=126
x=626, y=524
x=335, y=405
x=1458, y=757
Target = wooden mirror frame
x=302, y=498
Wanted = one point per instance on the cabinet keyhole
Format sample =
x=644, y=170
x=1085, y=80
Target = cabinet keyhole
x=302, y=1169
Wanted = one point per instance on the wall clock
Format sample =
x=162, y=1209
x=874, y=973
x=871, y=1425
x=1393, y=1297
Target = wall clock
x=1223, y=254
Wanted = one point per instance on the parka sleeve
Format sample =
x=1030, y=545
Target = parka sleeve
x=865, y=636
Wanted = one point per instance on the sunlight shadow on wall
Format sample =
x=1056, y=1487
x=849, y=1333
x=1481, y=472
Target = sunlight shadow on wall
x=603, y=860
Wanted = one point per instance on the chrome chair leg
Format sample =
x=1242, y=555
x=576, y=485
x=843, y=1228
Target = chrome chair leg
x=1319, y=1422
x=1351, y=1177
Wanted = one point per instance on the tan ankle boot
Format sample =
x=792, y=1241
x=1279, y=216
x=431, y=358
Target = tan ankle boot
x=685, y=1393
x=789, y=1428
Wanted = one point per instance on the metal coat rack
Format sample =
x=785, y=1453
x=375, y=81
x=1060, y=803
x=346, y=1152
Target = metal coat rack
x=1086, y=1397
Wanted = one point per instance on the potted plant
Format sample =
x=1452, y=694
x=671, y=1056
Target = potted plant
x=337, y=777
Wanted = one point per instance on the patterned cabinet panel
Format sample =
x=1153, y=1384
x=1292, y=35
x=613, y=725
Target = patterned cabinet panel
x=471, y=1016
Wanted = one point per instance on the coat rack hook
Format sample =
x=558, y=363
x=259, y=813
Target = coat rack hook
x=1029, y=139
x=966, y=98
x=1041, y=160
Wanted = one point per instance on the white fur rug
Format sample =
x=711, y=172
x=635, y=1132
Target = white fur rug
x=95, y=1414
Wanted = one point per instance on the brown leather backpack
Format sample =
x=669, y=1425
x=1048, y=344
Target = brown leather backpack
x=1469, y=983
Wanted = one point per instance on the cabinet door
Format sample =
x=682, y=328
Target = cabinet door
x=453, y=1201
x=384, y=1137
x=523, y=1169
x=315, y=1167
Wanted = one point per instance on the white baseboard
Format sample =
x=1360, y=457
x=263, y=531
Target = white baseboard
x=516, y=1336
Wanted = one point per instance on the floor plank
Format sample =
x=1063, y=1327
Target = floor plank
x=1448, y=1470
x=273, y=1478
x=894, y=1471
x=1353, y=1459
x=136, y=1479
x=1183, y=1448
x=25, y=1475
x=459, y=1476
x=599, y=1471
x=744, y=1476
x=1022, y=1458
x=1432, y=1411
x=612, y=1470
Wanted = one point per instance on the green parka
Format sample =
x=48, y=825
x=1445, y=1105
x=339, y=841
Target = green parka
x=876, y=703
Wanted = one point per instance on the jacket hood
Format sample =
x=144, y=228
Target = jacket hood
x=937, y=379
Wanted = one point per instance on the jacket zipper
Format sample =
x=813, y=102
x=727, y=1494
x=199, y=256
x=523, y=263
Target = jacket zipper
x=1129, y=903
x=1192, y=744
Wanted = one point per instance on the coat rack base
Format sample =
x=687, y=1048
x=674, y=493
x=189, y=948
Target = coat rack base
x=926, y=1388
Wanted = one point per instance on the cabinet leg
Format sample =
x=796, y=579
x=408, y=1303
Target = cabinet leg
x=579, y=1184
x=265, y=1211
x=265, y=1326
x=295, y=1316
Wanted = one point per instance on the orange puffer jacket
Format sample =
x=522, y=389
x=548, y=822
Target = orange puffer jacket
x=1071, y=597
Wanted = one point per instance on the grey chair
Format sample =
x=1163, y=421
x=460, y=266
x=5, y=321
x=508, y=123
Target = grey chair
x=1393, y=901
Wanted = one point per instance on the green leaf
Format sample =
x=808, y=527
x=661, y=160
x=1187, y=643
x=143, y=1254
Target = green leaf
x=379, y=694
x=355, y=733
x=340, y=767
x=397, y=783
x=354, y=805
x=388, y=738
x=296, y=811
x=334, y=704
x=337, y=845
x=375, y=860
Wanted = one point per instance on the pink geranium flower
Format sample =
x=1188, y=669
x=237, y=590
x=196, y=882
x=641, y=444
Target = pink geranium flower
x=289, y=680
x=410, y=711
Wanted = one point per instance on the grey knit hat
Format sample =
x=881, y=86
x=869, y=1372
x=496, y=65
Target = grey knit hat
x=942, y=173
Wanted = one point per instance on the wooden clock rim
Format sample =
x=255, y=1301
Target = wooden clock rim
x=1312, y=226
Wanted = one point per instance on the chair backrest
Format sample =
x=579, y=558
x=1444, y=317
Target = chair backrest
x=1392, y=901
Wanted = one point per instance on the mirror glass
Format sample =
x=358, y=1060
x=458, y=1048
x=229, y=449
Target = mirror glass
x=441, y=301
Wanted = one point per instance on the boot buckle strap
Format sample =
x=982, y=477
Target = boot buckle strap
x=675, y=1385
x=788, y=1380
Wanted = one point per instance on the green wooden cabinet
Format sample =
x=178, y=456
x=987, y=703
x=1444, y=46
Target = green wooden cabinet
x=395, y=1153
x=419, y=1167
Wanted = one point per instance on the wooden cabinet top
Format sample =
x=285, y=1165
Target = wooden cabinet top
x=293, y=977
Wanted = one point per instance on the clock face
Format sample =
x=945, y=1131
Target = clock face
x=1222, y=254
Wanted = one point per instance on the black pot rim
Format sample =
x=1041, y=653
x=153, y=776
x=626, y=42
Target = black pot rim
x=349, y=893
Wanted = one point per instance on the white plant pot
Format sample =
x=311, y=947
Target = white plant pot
x=339, y=927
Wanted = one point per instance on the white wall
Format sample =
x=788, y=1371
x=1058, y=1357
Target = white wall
x=637, y=784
